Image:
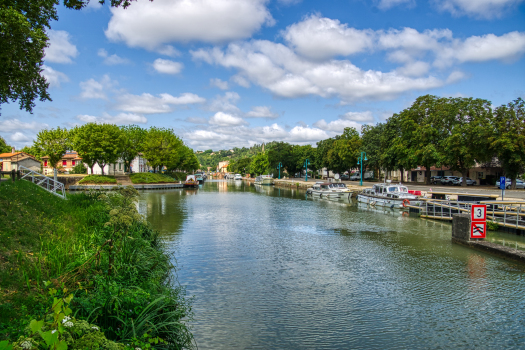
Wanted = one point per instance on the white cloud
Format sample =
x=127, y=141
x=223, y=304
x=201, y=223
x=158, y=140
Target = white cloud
x=411, y=40
x=149, y=104
x=223, y=119
x=261, y=112
x=225, y=103
x=53, y=77
x=151, y=24
x=223, y=85
x=363, y=117
x=19, y=137
x=168, y=50
x=322, y=38
x=112, y=59
x=60, y=50
x=301, y=134
x=484, y=9
x=337, y=126
x=414, y=69
x=96, y=89
x=94, y=5
x=167, y=66
x=10, y=125
x=278, y=69
x=387, y=4
x=119, y=119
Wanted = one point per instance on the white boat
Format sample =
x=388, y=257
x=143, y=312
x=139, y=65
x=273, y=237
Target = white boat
x=341, y=187
x=237, y=177
x=324, y=190
x=265, y=180
x=388, y=195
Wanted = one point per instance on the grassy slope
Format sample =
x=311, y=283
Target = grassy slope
x=150, y=178
x=98, y=179
x=44, y=238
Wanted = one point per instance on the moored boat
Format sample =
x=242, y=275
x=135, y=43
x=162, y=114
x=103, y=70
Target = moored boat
x=324, y=190
x=388, y=195
x=237, y=177
x=265, y=180
x=191, y=182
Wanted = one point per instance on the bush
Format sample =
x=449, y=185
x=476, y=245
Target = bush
x=150, y=178
x=98, y=180
x=79, y=169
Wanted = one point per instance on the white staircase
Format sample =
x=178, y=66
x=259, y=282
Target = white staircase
x=47, y=183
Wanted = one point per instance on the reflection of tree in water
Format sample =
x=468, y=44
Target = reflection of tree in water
x=166, y=211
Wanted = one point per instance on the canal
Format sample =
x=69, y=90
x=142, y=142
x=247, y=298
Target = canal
x=270, y=269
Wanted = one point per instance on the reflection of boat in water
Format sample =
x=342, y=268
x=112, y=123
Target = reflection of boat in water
x=324, y=190
x=264, y=189
x=382, y=210
x=191, y=182
x=265, y=180
x=388, y=195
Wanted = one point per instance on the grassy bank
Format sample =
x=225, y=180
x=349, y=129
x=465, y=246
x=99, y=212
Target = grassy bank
x=98, y=180
x=96, y=247
x=150, y=178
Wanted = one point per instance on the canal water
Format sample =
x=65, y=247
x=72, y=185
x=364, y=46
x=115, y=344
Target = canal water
x=271, y=269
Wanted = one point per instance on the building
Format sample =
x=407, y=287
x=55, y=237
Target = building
x=11, y=161
x=65, y=165
x=223, y=166
x=138, y=165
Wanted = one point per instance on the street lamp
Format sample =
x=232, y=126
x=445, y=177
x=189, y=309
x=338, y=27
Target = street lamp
x=360, y=161
x=306, y=167
x=279, y=167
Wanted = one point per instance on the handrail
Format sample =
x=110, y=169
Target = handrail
x=48, y=184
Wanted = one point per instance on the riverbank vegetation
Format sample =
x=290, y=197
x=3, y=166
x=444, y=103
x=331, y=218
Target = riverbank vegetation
x=457, y=133
x=96, y=248
x=150, y=178
x=98, y=180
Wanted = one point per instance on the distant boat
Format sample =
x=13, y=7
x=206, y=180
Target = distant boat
x=191, y=182
x=264, y=180
x=237, y=177
x=200, y=177
x=388, y=195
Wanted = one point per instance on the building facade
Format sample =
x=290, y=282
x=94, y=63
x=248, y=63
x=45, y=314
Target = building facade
x=11, y=161
x=65, y=165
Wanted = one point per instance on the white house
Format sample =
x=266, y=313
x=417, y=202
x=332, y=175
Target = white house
x=138, y=165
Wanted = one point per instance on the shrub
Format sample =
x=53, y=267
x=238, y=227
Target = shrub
x=79, y=169
x=98, y=180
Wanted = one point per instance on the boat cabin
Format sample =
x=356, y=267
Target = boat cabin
x=389, y=190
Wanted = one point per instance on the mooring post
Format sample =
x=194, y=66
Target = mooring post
x=13, y=175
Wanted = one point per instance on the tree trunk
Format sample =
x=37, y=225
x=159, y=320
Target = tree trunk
x=55, y=171
x=401, y=175
x=102, y=167
x=513, y=182
x=464, y=178
x=427, y=175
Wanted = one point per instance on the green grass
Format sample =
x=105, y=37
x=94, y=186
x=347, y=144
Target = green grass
x=98, y=180
x=97, y=246
x=150, y=178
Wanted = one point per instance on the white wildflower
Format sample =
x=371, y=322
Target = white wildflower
x=53, y=331
x=26, y=345
x=68, y=324
x=65, y=319
x=138, y=349
x=95, y=328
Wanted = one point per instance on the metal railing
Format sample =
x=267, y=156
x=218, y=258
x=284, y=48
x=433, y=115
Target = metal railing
x=47, y=183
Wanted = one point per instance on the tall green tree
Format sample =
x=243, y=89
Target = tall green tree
x=508, y=141
x=347, y=150
x=4, y=147
x=466, y=133
x=54, y=143
x=163, y=148
x=22, y=43
x=260, y=164
x=132, y=144
x=307, y=152
x=371, y=144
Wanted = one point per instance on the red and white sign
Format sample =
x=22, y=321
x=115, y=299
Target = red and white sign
x=478, y=212
x=478, y=229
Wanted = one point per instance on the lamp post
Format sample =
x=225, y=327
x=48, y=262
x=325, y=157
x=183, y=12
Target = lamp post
x=306, y=167
x=360, y=161
x=279, y=168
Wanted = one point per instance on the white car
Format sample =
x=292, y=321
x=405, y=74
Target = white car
x=459, y=182
x=508, y=183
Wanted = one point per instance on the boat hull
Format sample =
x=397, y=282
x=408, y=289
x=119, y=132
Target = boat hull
x=394, y=203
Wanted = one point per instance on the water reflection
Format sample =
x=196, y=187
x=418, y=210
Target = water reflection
x=273, y=269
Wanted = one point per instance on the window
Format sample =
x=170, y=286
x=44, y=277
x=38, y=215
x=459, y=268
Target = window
x=119, y=166
x=73, y=163
x=64, y=162
x=45, y=162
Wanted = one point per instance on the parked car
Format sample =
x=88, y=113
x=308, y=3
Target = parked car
x=345, y=177
x=435, y=179
x=448, y=180
x=508, y=183
x=355, y=177
x=459, y=181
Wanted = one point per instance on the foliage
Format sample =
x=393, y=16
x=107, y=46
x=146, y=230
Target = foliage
x=98, y=180
x=98, y=247
x=508, y=140
x=79, y=169
x=260, y=164
x=4, y=147
x=163, y=148
x=240, y=166
x=371, y=144
x=34, y=151
x=53, y=143
x=132, y=143
x=339, y=153
x=177, y=175
x=492, y=226
x=150, y=178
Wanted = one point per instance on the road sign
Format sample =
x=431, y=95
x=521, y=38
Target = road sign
x=502, y=182
x=478, y=229
x=478, y=213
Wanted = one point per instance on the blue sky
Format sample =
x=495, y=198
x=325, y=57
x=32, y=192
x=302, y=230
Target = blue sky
x=231, y=73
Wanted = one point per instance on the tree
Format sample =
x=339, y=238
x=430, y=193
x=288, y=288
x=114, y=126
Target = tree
x=22, y=41
x=371, y=144
x=346, y=150
x=54, y=143
x=260, y=164
x=188, y=160
x=508, y=141
x=163, y=148
x=307, y=152
x=132, y=143
x=4, y=147
x=467, y=133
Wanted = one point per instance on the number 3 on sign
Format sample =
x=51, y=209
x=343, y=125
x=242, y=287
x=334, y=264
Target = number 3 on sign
x=479, y=213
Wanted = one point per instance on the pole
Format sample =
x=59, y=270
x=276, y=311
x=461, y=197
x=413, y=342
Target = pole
x=361, y=173
x=306, y=167
x=279, y=167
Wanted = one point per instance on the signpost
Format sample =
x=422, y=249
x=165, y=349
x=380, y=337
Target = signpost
x=478, y=221
x=502, y=186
